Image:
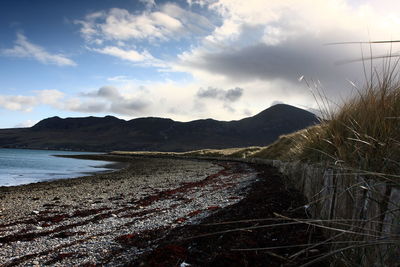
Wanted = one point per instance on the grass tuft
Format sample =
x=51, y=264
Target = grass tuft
x=364, y=132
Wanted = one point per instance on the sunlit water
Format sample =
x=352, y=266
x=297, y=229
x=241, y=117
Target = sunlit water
x=23, y=166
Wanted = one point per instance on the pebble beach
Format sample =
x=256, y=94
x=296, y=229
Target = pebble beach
x=87, y=221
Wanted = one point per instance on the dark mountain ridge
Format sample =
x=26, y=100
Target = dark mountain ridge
x=158, y=134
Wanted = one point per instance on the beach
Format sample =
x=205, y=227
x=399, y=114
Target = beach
x=84, y=217
x=130, y=216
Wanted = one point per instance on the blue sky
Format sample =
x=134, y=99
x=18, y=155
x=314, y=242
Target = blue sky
x=186, y=60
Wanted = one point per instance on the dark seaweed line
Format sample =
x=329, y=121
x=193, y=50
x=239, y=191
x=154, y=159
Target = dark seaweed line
x=33, y=235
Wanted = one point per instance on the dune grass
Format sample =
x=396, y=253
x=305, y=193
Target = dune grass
x=364, y=133
x=363, y=136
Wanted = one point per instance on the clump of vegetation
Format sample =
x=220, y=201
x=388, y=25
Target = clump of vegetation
x=364, y=133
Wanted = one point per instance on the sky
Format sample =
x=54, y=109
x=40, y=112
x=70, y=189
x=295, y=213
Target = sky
x=183, y=59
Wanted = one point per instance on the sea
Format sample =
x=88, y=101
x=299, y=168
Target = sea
x=25, y=166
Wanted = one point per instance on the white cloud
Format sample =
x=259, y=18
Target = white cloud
x=49, y=97
x=120, y=24
x=197, y=2
x=25, y=49
x=18, y=102
x=168, y=22
x=131, y=35
x=119, y=78
x=28, y=103
x=129, y=55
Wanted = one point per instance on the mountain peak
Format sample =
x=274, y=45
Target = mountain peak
x=281, y=110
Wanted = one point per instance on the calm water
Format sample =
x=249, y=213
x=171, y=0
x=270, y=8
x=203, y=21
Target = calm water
x=22, y=166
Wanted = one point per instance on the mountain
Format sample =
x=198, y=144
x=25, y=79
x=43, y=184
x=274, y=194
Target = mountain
x=157, y=134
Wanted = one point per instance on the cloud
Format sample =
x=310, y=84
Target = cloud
x=131, y=36
x=49, y=97
x=130, y=55
x=106, y=99
x=164, y=99
x=119, y=78
x=230, y=95
x=25, y=49
x=169, y=21
x=292, y=58
x=112, y=101
x=18, y=102
x=77, y=105
x=28, y=103
x=109, y=92
x=128, y=106
x=266, y=43
x=120, y=24
x=144, y=58
x=197, y=2
x=233, y=95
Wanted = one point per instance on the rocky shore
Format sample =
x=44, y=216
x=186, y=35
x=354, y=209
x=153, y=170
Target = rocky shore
x=89, y=221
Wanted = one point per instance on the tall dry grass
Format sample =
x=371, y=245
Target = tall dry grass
x=364, y=133
x=363, y=136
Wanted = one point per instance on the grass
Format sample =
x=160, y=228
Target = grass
x=228, y=152
x=287, y=147
x=364, y=133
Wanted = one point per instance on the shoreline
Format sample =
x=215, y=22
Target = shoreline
x=40, y=221
x=108, y=164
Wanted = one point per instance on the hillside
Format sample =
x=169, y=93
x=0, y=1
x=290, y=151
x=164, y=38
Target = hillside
x=158, y=134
